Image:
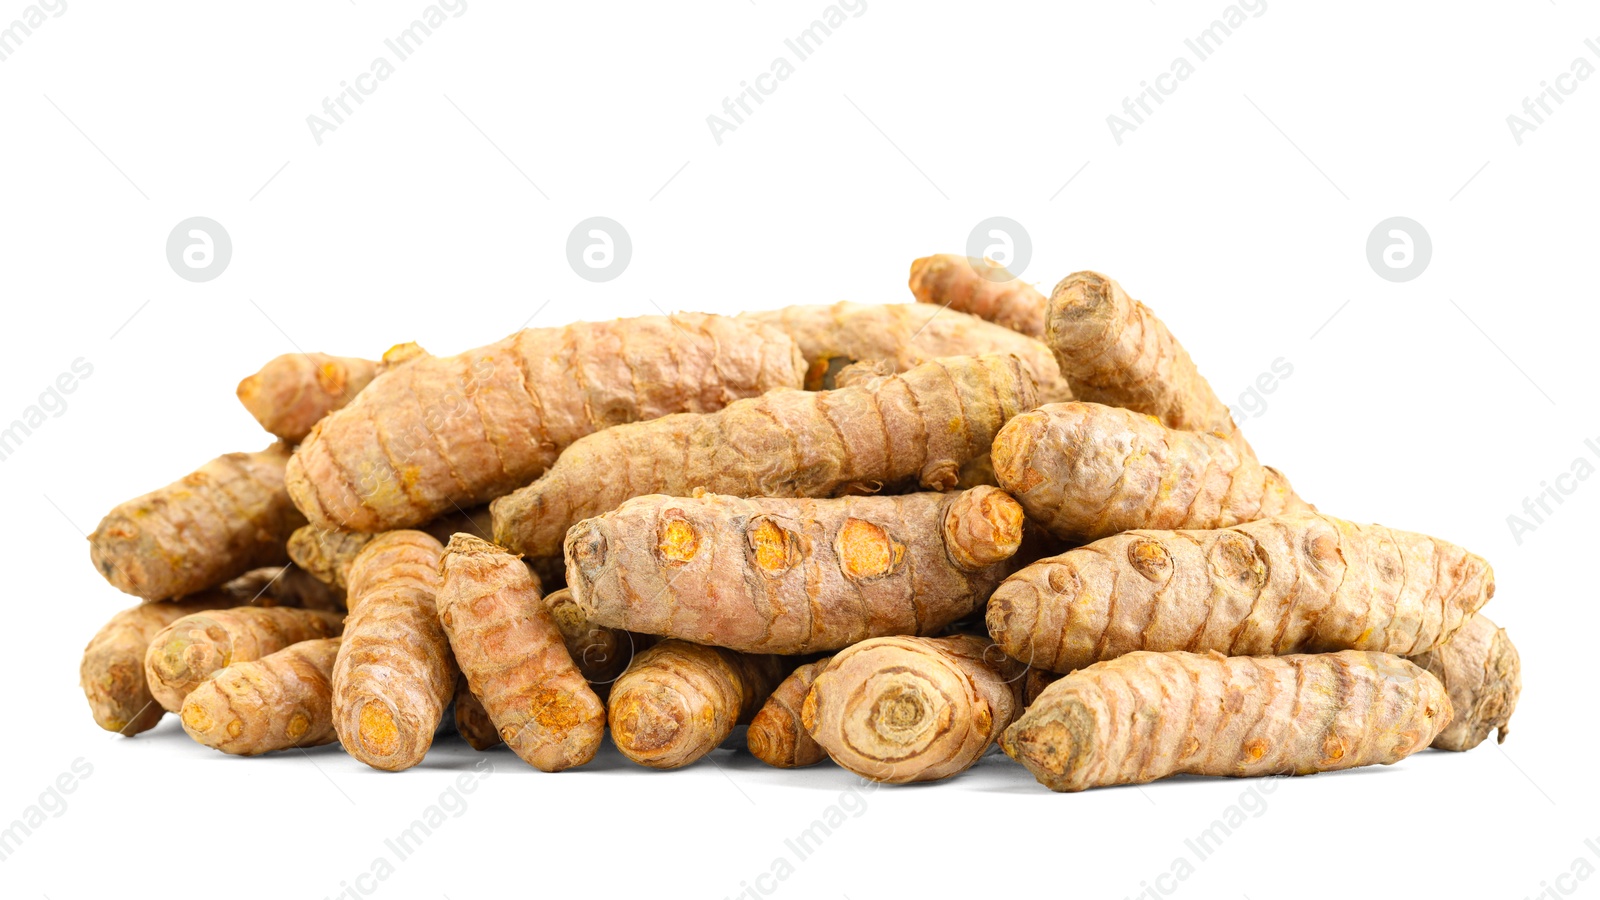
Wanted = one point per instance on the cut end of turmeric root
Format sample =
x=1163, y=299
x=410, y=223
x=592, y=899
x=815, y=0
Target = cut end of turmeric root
x=677, y=701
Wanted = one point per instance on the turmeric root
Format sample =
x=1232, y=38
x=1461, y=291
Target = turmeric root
x=920, y=427
x=1482, y=672
x=677, y=701
x=981, y=288
x=776, y=736
x=327, y=552
x=1113, y=350
x=112, y=672
x=1086, y=471
x=908, y=334
x=600, y=653
x=282, y=700
x=394, y=675
x=193, y=648
x=226, y=518
x=902, y=709
x=512, y=654
x=1146, y=716
x=439, y=433
x=792, y=576
x=1300, y=583
x=294, y=391
x=472, y=720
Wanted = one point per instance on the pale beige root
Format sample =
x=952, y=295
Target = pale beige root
x=777, y=736
x=600, y=653
x=902, y=709
x=1087, y=471
x=472, y=720
x=677, y=701
x=282, y=700
x=1482, y=672
x=792, y=576
x=1113, y=350
x=192, y=649
x=1146, y=716
x=326, y=553
x=980, y=287
x=227, y=517
x=921, y=428
x=294, y=391
x=112, y=672
x=509, y=647
x=395, y=674
x=908, y=335
x=1300, y=583
x=440, y=433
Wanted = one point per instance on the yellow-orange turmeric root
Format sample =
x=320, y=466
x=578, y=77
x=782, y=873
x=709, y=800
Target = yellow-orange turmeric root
x=511, y=651
x=1482, y=672
x=395, y=675
x=222, y=520
x=777, y=736
x=908, y=335
x=792, y=576
x=440, y=433
x=472, y=720
x=193, y=648
x=327, y=552
x=1146, y=716
x=294, y=391
x=1301, y=583
x=1113, y=350
x=921, y=427
x=903, y=709
x=600, y=653
x=1086, y=471
x=282, y=700
x=677, y=701
x=981, y=288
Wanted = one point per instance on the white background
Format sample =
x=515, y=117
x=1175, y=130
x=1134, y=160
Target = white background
x=440, y=211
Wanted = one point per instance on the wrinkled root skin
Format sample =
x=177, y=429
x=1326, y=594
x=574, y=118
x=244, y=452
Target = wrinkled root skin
x=1482, y=671
x=981, y=288
x=192, y=649
x=1147, y=716
x=294, y=391
x=776, y=735
x=1291, y=584
x=677, y=701
x=278, y=702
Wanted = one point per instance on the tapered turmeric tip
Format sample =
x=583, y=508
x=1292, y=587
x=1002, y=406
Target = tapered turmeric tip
x=437, y=433
x=294, y=391
x=921, y=428
x=1113, y=350
x=980, y=287
x=229, y=516
x=792, y=576
x=283, y=700
x=1147, y=716
x=1481, y=670
x=192, y=649
x=1086, y=471
x=394, y=675
x=1291, y=584
x=677, y=701
x=514, y=658
x=902, y=709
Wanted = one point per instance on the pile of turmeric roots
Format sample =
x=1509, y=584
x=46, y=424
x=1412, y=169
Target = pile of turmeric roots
x=892, y=536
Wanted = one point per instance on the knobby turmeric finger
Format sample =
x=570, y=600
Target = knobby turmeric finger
x=792, y=576
x=777, y=736
x=282, y=700
x=1482, y=672
x=677, y=701
x=1147, y=716
x=294, y=391
x=982, y=288
x=193, y=648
